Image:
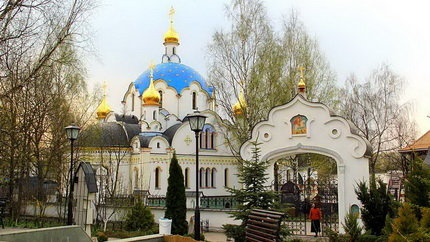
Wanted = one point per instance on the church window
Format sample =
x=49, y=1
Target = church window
x=136, y=179
x=212, y=140
x=161, y=98
x=202, y=171
x=187, y=177
x=207, y=137
x=207, y=177
x=158, y=145
x=226, y=177
x=132, y=102
x=213, y=178
x=157, y=178
x=194, y=100
x=202, y=140
x=154, y=115
x=174, y=50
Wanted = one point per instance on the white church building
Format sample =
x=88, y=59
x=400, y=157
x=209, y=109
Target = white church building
x=151, y=127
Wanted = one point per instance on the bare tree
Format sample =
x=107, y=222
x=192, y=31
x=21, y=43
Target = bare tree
x=250, y=57
x=41, y=78
x=374, y=107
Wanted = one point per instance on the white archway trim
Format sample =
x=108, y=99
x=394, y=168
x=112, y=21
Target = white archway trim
x=300, y=126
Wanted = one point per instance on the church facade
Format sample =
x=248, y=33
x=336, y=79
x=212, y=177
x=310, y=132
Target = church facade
x=140, y=141
x=135, y=147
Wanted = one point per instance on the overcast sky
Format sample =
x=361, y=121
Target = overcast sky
x=355, y=36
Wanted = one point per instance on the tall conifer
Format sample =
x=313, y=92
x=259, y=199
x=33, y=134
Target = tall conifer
x=176, y=207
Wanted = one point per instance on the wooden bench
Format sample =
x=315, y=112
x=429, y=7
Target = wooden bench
x=263, y=225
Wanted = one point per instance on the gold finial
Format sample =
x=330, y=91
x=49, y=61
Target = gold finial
x=239, y=107
x=151, y=67
x=171, y=36
x=103, y=109
x=171, y=13
x=151, y=95
x=302, y=83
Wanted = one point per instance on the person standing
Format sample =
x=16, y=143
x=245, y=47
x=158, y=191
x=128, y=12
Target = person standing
x=315, y=217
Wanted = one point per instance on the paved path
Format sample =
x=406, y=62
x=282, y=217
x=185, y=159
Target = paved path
x=215, y=237
x=11, y=229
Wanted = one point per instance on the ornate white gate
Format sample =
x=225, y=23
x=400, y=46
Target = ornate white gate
x=301, y=126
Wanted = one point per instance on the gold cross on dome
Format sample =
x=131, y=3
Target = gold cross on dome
x=152, y=67
x=302, y=74
x=187, y=140
x=171, y=13
x=104, y=87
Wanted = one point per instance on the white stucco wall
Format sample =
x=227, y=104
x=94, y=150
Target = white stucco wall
x=326, y=134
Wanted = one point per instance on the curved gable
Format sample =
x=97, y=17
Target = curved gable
x=305, y=124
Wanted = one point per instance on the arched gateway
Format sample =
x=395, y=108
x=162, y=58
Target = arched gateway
x=301, y=126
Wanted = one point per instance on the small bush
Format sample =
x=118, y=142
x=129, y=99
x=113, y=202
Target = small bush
x=202, y=236
x=351, y=226
x=369, y=238
x=101, y=237
x=139, y=218
x=237, y=232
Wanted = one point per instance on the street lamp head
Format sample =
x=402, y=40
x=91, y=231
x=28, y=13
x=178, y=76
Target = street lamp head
x=196, y=120
x=72, y=132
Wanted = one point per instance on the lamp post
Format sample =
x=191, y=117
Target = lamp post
x=197, y=121
x=72, y=132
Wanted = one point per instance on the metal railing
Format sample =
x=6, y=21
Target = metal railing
x=218, y=202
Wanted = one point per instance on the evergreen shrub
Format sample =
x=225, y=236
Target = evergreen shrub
x=140, y=218
x=176, y=202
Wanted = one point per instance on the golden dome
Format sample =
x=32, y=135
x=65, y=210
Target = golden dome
x=238, y=108
x=301, y=83
x=103, y=109
x=151, y=95
x=171, y=36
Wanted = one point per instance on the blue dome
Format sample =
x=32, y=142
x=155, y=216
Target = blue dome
x=176, y=75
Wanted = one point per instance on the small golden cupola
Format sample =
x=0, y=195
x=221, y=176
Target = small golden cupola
x=301, y=86
x=240, y=106
x=150, y=95
x=103, y=109
x=171, y=36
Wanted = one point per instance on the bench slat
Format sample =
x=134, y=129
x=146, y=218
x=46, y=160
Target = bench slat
x=273, y=226
x=268, y=220
x=261, y=228
x=253, y=231
x=259, y=237
x=275, y=216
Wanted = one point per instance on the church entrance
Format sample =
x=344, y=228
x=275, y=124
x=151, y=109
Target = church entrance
x=306, y=179
x=293, y=138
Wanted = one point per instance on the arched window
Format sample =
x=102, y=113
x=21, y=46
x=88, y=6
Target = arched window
x=207, y=177
x=202, y=140
x=154, y=115
x=207, y=137
x=174, y=50
x=132, y=102
x=194, y=100
x=157, y=178
x=187, y=177
x=213, y=140
x=161, y=98
x=136, y=179
x=213, y=178
x=226, y=177
x=208, y=140
x=202, y=175
x=158, y=145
